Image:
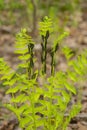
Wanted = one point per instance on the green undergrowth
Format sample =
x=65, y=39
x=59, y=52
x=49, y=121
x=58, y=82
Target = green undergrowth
x=47, y=106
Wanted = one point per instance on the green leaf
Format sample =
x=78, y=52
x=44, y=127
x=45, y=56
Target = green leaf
x=25, y=121
x=22, y=51
x=70, y=87
x=30, y=127
x=10, y=83
x=27, y=111
x=20, y=99
x=13, y=90
x=59, y=40
x=39, y=122
x=75, y=110
x=8, y=76
x=23, y=65
x=66, y=96
x=24, y=57
x=13, y=109
x=68, y=52
x=72, y=76
x=22, y=109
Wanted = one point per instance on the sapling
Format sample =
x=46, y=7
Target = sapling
x=52, y=112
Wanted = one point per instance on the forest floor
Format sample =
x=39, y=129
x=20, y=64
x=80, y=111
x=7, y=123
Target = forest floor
x=77, y=41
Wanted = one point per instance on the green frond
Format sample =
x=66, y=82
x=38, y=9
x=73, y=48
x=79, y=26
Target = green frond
x=22, y=41
x=79, y=65
x=45, y=26
x=20, y=98
x=23, y=38
x=5, y=70
x=67, y=52
x=75, y=110
x=59, y=40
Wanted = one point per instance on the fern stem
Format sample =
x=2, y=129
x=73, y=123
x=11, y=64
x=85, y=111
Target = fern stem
x=52, y=63
x=53, y=52
x=45, y=55
x=51, y=95
x=31, y=62
x=33, y=114
x=44, y=52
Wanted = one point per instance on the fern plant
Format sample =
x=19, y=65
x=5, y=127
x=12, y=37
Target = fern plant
x=52, y=111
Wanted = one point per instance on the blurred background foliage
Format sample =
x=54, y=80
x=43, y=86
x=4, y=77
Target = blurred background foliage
x=27, y=13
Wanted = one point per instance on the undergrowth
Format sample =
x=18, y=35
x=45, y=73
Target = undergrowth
x=46, y=107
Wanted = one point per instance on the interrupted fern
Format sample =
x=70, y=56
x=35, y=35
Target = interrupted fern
x=24, y=46
x=52, y=112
